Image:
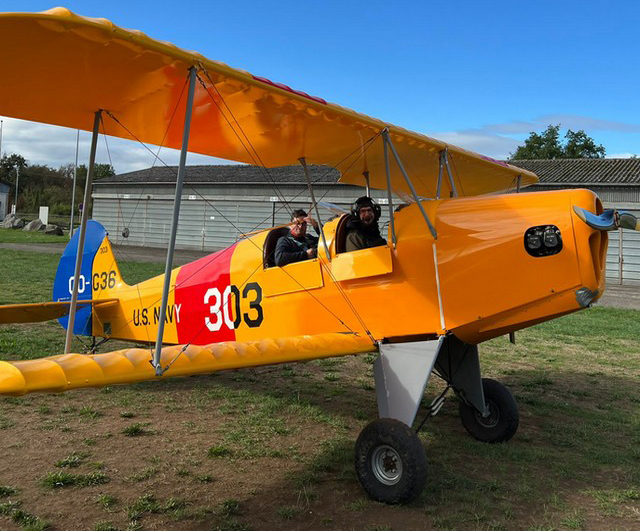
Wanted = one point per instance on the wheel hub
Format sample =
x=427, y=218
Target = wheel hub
x=386, y=465
x=492, y=418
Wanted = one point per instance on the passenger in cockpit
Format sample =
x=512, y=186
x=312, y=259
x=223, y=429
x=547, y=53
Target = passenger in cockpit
x=362, y=230
x=297, y=245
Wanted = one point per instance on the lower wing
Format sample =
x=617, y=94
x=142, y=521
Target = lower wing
x=71, y=371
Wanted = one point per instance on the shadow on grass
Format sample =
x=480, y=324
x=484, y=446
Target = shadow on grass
x=576, y=453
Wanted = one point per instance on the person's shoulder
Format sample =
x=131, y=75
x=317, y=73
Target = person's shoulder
x=284, y=238
x=352, y=224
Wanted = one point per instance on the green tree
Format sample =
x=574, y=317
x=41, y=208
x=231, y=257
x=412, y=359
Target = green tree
x=41, y=185
x=547, y=145
x=8, y=165
x=581, y=146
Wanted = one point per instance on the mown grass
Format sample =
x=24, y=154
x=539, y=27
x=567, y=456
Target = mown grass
x=270, y=448
x=28, y=277
x=20, y=236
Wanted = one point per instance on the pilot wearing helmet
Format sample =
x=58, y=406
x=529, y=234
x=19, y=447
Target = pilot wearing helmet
x=362, y=230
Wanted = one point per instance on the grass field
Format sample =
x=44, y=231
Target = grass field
x=272, y=448
x=20, y=236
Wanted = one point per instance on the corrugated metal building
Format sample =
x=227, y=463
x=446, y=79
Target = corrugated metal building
x=219, y=203
x=617, y=183
x=4, y=200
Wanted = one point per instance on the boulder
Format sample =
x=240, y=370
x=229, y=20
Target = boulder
x=53, y=229
x=7, y=223
x=33, y=226
x=17, y=224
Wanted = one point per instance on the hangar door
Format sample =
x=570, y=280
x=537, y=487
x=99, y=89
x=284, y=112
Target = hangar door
x=623, y=256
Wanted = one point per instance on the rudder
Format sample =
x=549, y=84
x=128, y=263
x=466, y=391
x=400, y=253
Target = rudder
x=99, y=274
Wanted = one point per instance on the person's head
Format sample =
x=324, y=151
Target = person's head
x=366, y=211
x=299, y=223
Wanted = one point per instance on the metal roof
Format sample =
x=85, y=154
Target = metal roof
x=584, y=171
x=227, y=173
x=568, y=172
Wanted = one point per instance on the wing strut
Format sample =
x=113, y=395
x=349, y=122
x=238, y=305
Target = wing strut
x=303, y=161
x=83, y=231
x=365, y=174
x=389, y=194
x=387, y=140
x=444, y=163
x=174, y=223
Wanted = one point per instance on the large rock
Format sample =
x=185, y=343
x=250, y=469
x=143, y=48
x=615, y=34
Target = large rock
x=12, y=222
x=53, y=229
x=33, y=226
x=7, y=222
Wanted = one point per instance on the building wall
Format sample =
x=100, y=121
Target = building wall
x=607, y=193
x=215, y=216
x=623, y=261
x=4, y=204
x=211, y=216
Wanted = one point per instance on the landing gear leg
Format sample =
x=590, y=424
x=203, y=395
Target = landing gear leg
x=502, y=417
x=390, y=460
x=488, y=410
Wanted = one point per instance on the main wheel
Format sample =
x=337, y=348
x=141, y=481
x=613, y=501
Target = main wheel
x=502, y=421
x=390, y=461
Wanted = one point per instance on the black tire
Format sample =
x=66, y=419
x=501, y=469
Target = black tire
x=391, y=463
x=502, y=422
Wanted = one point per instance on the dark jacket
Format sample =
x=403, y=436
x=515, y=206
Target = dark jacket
x=359, y=237
x=290, y=249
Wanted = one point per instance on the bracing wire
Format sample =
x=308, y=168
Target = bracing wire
x=256, y=159
x=367, y=145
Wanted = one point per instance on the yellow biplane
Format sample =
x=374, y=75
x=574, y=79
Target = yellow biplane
x=464, y=262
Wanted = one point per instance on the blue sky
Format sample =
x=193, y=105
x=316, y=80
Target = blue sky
x=481, y=75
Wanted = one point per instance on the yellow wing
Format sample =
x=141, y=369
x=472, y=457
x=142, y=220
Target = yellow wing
x=71, y=371
x=60, y=68
x=43, y=311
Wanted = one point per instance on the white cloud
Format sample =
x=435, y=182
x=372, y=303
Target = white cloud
x=495, y=146
x=567, y=121
x=571, y=121
x=56, y=146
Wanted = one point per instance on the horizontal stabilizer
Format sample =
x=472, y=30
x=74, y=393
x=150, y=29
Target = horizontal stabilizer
x=609, y=220
x=44, y=311
x=71, y=371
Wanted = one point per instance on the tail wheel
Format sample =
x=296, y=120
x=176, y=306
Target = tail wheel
x=501, y=422
x=390, y=461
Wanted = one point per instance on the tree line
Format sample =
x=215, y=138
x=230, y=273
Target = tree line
x=547, y=145
x=40, y=185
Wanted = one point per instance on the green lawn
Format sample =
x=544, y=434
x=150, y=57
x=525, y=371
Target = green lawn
x=272, y=448
x=20, y=236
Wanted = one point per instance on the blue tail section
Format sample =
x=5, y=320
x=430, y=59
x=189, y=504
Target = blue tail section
x=63, y=284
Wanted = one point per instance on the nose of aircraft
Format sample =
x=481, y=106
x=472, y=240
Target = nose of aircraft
x=609, y=220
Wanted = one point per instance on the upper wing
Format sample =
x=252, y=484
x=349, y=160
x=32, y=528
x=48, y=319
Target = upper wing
x=42, y=311
x=61, y=68
x=72, y=371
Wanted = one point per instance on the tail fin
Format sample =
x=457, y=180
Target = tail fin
x=99, y=275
